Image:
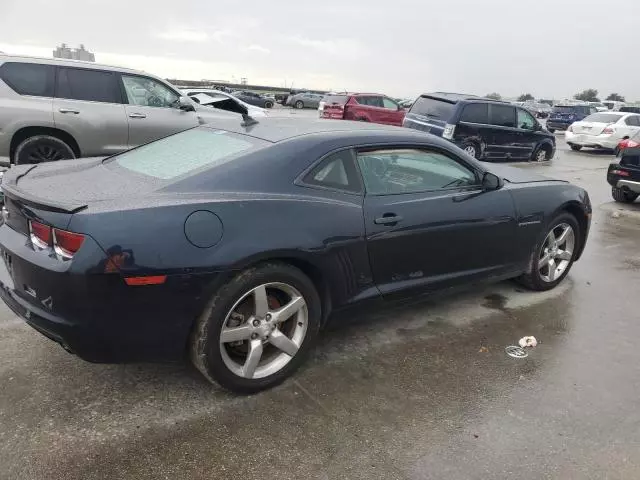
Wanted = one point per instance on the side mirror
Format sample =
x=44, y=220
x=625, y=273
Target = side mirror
x=491, y=182
x=186, y=105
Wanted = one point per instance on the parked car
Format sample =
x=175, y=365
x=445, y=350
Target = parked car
x=613, y=105
x=631, y=142
x=539, y=110
x=53, y=109
x=485, y=129
x=564, y=115
x=405, y=103
x=602, y=130
x=363, y=107
x=186, y=244
x=253, y=98
x=624, y=175
x=305, y=100
x=599, y=106
x=223, y=101
x=629, y=109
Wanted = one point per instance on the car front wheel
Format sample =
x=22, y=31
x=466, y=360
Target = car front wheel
x=299, y=105
x=575, y=148
x=553, y=256
x=623, y=196
x=256, y=331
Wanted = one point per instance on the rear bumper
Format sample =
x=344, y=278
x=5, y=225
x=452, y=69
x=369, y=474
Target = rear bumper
x=595, y=141
x=96, y=315
x=629, y=185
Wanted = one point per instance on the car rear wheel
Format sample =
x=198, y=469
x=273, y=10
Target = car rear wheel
x=299, y=105
x=553, y=256
x=541, y=155
x=623, y=196
x=575, y=148
x=42, y=148
x=257, y=329
x=268, y=105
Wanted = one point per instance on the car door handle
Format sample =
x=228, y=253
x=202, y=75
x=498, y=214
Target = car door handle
x=388, y=219
x=137, y=115
x=68, y=110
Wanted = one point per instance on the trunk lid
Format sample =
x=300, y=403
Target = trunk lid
x=334, y=106
x=589, y=128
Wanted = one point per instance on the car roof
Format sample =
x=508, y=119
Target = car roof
x=279, y=129
x=452, y=96
x=65, y=62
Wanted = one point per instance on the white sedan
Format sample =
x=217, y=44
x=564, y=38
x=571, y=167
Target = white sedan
x=210, y=97
x=602, y=130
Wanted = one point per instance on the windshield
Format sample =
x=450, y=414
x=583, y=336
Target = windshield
x=186, y=152
x=603, y=118
x=433, y=107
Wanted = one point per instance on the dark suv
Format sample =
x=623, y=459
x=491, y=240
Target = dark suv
x=562, y=116
x=485, y=129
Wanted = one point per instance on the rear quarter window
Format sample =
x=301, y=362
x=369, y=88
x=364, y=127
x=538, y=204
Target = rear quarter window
x=433, y=107
x=28, y=78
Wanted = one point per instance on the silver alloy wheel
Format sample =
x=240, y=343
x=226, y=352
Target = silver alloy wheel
x=556, y=252
x=471, y=150
x=541, y=156
x=258, y=340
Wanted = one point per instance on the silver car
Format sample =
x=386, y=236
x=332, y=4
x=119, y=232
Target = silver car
x=305, y=100
x=52, y=109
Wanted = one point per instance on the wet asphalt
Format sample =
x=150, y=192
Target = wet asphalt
x=419, y=392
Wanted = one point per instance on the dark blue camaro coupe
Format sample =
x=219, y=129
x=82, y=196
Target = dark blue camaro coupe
x=234, y=244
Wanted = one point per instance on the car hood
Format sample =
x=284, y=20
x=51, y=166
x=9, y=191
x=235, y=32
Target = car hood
x=516, y=175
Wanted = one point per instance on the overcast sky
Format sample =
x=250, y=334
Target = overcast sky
x=552, y=49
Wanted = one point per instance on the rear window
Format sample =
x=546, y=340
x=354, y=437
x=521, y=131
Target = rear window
x=185, y=152
x=335, y=99
x=572, y=109
x=433, y=107
x=603, y=118
x=630, y=109
x=28, y=78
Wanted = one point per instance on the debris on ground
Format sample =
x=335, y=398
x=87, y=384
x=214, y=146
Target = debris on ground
x=483, y=350
x=528, y=342
x=516, y=352
x=615, y=214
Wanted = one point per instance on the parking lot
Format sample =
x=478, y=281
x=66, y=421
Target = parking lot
x=422, y=391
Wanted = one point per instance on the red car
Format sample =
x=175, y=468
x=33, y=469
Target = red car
x=628, y=143
x=364, y=107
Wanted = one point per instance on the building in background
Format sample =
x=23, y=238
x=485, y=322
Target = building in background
x=63, y=51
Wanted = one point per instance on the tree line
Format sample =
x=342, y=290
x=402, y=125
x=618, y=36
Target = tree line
x=588, y=95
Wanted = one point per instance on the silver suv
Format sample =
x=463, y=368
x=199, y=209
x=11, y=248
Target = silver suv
x=54, y=109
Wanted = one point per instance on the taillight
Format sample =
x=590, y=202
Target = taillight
x=40, y=235
x=608, y=130
x=66, y=244
x=621, y=173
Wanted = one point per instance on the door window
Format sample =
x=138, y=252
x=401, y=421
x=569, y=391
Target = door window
x=502, y=115
x=390, y=104
x=87, y=85
x=476, y=113
x=526, y=120
x=336, y=171
x=147, y=92
x=632, y=121
x=409, y=171
x=28, y=78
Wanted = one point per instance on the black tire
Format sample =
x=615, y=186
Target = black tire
x=362, y=119
x=268, y=105
x=551, y=130
x=532, y=279
x=623, y=196
x=476, y=149
x=537, y=157
x=299, y=105
x=205, y=343
x=575, y=148
x=42, y=148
